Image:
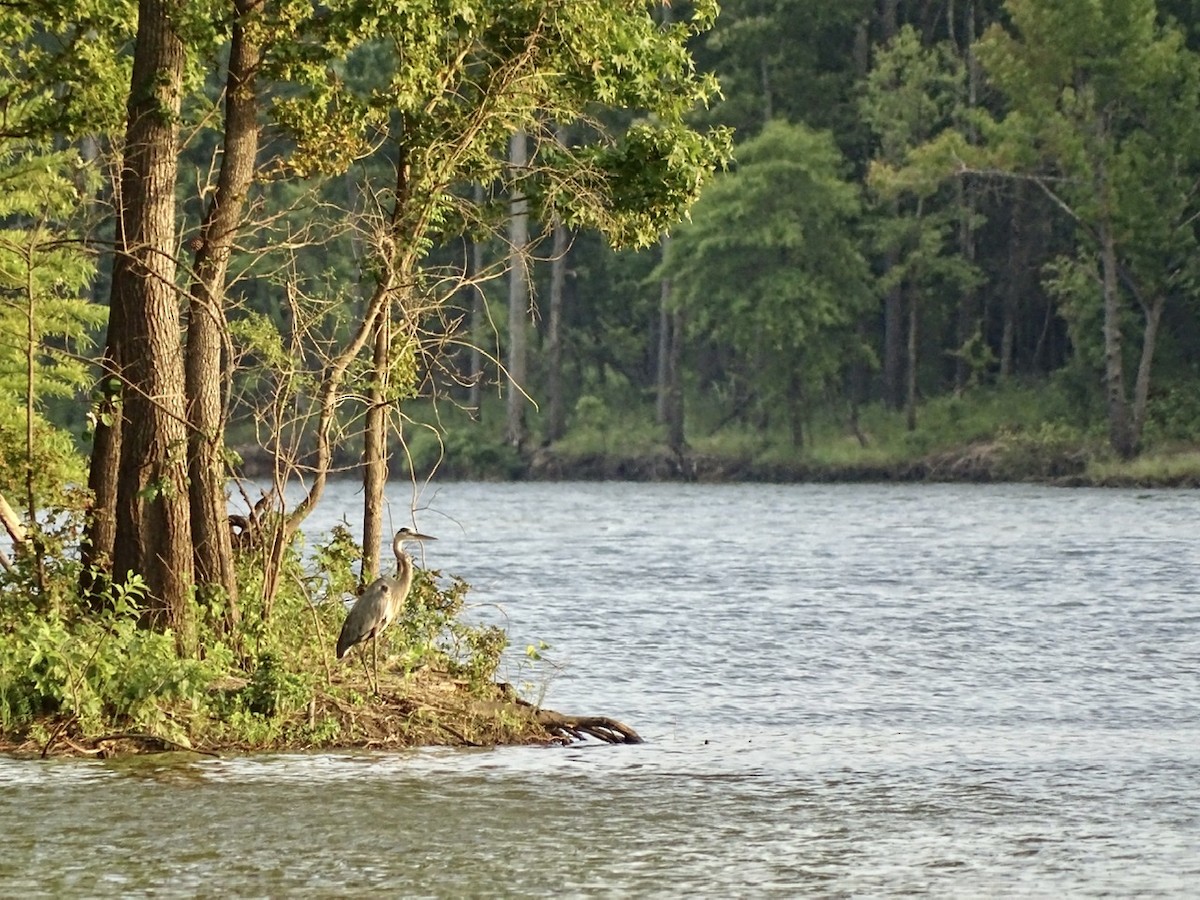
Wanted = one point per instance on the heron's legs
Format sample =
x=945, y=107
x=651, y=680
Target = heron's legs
x=375, y=659
x=362, y=658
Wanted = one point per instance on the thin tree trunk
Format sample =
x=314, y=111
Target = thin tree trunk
x=910, y=392
x=375, y=437
x=207, y=333
x=1120, y=425
x=893, y=301
x=375, y=451
x=556, y=404
x=675, y=435
x=516, y=431
x=478, y=317
x=1015, y=280
x=893, y=340
x=888, y=19
x=153, y=527
x=49, y=603
x=1141, y=389
x=795, y=404
x=969, y=312
x=663, y=368
x=1120, y=429
x=96, y=551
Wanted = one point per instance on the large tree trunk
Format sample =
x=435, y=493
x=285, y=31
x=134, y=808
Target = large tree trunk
x=153, y=528
x=518, y=297
x=205, y=375
x=556, y=404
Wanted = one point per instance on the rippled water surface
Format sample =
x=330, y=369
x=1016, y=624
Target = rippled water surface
x=845, y=690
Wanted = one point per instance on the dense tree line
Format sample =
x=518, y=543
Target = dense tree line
x=925, y=197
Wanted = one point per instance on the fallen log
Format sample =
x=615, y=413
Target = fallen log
x=557, y=724
x=600, y=727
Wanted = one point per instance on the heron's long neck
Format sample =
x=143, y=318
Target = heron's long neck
x=403, y=562
x=403, y=565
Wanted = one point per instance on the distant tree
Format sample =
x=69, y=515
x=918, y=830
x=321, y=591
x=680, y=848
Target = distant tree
x=516, y=428
x=912, y=95
x=770, y=265
x=1104, y=116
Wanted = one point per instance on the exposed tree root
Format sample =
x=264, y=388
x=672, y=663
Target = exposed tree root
x=600, y=727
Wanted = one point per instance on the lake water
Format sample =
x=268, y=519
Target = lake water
x=845, y=690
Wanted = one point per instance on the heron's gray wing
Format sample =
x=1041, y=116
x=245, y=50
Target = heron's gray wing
x=365, y=617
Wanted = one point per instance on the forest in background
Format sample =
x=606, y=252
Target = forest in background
x=945, y=222
x=957, y=205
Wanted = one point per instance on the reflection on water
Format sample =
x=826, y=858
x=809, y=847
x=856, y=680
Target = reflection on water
x=845, y=690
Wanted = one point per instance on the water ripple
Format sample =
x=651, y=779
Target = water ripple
x=845, y=690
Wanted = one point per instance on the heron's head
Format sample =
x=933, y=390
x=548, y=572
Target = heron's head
x=407, y=534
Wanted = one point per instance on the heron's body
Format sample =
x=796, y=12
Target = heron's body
x=380, y=602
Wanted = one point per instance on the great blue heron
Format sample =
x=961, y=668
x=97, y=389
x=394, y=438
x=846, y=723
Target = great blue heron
x=380, y=602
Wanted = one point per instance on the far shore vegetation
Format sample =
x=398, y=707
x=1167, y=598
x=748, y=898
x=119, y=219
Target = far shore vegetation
x=1037, y=432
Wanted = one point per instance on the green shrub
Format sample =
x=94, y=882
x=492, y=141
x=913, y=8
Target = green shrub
x=1050, y=450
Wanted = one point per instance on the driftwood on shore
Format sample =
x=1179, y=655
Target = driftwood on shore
x=570, y=728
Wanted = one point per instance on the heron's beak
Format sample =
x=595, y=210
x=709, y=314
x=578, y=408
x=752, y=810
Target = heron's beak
x=417, y=536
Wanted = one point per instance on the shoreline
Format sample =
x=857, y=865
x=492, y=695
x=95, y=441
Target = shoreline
x=980, y=462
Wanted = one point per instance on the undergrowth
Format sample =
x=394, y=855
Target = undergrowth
x=72, y=673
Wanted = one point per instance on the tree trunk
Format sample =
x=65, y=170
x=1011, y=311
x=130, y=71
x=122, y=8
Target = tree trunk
x=375, y=451
x=556, y=405
x=663, y=370
x=674, y=423
x=1014, y=282
x=888, y=19
x=205, y=375
x=893, y=341
x=968, y=316
x=795, y=405
x=969, y=312
x=1120, y=430
x=375, y=437
x=518, y=296
x=153, y=528
x=1120, y=425
x=1141, y=389
x=478, y=317
x=96, y=550
x=910, y=392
